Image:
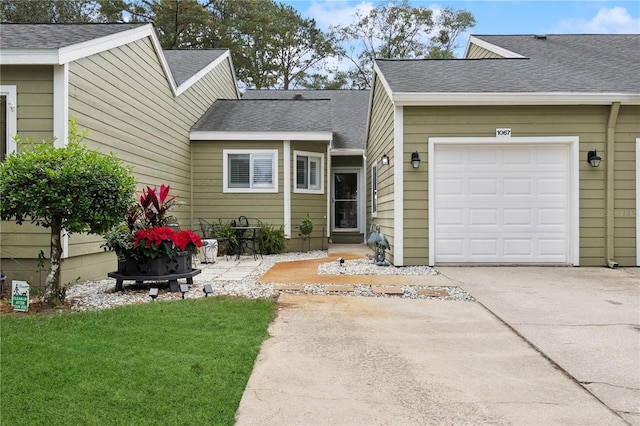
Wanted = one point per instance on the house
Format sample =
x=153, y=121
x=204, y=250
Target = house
x=281, y=156
x=137, y=101
x=486, y=160
x=488, y=156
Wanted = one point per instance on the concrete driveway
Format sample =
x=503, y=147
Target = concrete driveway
x=541, y=346
x=586, y=320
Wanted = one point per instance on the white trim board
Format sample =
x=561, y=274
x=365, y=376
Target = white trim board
x=11, y=92
x=574, y=181
x=512, y=98
x=637, y=201
x=198, y=135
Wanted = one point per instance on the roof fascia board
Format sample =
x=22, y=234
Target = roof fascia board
x=542, y=98
x=382, y=80
x=343, y=152
x=369, y=110
x=91, y=47
x=197, y=135
x=204, y=71
x=505, y=53
x=30, y=57
x=163, y=61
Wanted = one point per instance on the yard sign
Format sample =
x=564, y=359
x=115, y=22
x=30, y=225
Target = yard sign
x=20, y=295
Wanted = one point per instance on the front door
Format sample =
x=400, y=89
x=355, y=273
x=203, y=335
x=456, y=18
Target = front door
x=344, y=199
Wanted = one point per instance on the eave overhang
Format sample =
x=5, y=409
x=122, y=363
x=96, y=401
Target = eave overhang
x=475, y=99
x=199, y=135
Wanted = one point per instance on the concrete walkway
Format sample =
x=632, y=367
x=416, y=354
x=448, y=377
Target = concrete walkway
x=542, y=346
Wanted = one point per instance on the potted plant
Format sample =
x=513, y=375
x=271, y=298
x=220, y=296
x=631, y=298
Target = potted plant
x=145, y=243
x=306, y=226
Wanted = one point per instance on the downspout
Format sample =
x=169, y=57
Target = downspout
x=610, y=187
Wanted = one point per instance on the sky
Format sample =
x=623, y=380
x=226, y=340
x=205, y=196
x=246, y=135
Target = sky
x=501, y=17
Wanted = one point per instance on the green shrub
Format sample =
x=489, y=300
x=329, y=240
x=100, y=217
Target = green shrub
x=224, y=230
x=272, y=238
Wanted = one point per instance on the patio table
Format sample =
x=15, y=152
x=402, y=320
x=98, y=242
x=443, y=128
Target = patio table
x=243, y=239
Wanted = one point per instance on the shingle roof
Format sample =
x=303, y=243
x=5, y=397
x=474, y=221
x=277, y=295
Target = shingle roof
x=557, y=63
x=55, y=36
x=258, y=115
x=349, y=109
x=184, y=64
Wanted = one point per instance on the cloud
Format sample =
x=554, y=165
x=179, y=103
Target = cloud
x=615, y=20
x=329, y=13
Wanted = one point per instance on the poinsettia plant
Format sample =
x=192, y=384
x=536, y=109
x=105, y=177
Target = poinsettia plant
x=145, y=234
x=152, y=242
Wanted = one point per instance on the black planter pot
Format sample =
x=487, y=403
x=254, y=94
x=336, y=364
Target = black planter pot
x=161, y=265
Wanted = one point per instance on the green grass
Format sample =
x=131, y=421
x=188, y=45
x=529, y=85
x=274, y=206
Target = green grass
x=184, y=362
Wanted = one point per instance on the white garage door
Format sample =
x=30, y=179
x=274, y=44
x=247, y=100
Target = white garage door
x=502, y=203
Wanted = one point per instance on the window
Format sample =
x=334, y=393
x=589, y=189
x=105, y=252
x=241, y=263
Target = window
x=374, y=189
x=309, y=172
x=250, y=170
x=8, y=119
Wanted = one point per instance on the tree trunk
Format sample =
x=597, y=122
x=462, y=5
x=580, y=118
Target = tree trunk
x=52, y=292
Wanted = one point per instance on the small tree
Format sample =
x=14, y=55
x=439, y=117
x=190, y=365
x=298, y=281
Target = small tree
x=70, y=188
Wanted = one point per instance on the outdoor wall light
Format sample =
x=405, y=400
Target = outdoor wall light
x=593, y=158
x=385, y=159
x=153, y=293
x=415, y=160
x=183, y=289
x=207, y=290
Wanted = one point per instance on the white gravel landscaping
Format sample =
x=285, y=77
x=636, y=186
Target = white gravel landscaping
x=101, y=294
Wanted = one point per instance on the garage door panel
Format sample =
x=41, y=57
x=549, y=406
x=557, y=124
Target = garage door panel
x=451, y=246
x=501, y=203
x=518, y=247
x=517, y=217
x=483, y=186
x=483, y=247
x=552, y=187
x=515, y=187
x=483, y=217
x=450, y=187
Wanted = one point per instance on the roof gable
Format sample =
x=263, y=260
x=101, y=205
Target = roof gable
x=58, y=44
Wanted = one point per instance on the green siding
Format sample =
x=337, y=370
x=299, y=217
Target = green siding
x=380, y=141
x=212, y=204
x=209, y=201
x=34, y=85
x=624, y=213
x=313, y=206
x=477, y=52
x=587, y=122
x=123, y=97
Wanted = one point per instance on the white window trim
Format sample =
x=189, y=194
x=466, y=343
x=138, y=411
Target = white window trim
x=225, y=167
x=374, y=192
x=295, y=172
x=11, y=92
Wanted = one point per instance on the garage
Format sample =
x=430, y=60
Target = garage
x=502, y=202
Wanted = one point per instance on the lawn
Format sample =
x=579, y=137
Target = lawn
x=183, y=362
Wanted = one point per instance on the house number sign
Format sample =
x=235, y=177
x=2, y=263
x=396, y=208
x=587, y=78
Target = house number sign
x=503, y=133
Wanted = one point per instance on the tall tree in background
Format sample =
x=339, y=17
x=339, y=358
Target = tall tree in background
x=272, y=46
x=178, y=23
x=399, y=30
x=48, y=11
